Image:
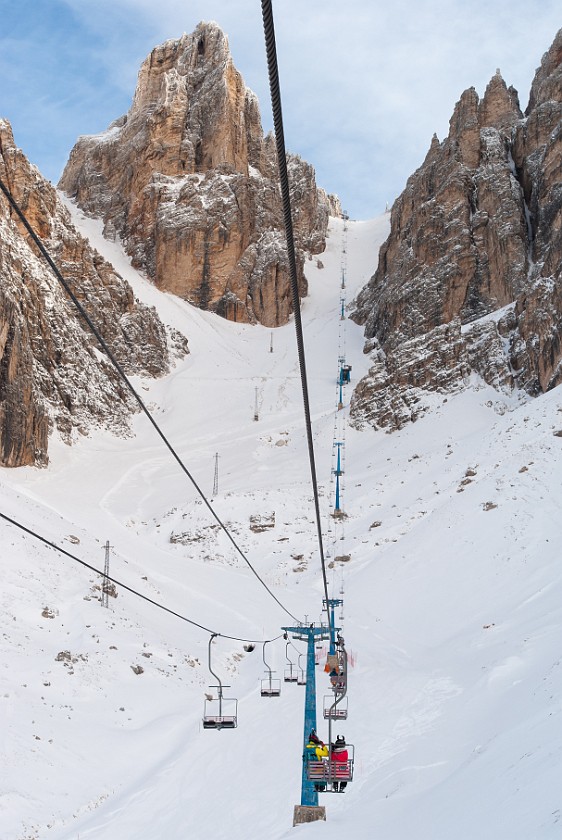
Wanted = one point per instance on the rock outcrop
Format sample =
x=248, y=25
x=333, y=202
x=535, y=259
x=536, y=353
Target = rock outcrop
x=473, y=258
x=188, y=181
x=52, y=374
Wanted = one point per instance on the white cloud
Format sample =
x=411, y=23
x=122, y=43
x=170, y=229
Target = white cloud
x=365, y=83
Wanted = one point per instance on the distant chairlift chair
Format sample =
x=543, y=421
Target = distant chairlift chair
x=291, y=671
x=345, y=374
x=270, y=687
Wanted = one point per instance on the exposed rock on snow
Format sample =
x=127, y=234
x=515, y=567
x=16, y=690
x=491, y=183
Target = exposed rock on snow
x=478, y=229
x=188, y=181
x=52, y=373
x=394, y=391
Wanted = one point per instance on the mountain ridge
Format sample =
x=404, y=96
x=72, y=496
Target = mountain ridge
x=476, y=230
x=52, y=374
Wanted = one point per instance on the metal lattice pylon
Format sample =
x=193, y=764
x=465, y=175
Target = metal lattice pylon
x=105, y=581
x=216, y=478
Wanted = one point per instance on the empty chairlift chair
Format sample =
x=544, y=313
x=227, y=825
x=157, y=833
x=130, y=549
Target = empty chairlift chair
x=270, y=686
x=291, y=672
x=219, y=712
x=335, y=707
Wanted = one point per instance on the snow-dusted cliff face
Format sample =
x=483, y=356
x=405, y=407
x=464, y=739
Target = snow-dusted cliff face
x=188, y=181
x=51, y=372
x=469, y=277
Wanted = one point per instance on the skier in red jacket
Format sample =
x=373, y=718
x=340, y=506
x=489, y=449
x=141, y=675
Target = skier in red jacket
x=338, y=756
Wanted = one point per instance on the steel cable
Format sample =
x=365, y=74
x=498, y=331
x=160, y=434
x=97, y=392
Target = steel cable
x=130, y=589
x=271, y=51
x=124, y=377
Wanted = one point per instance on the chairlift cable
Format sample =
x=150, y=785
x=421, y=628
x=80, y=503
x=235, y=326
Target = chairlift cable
x=273, y=71
x=130, y=387
x=130, y=589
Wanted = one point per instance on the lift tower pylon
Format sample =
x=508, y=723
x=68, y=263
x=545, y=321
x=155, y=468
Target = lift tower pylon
x=309, y=634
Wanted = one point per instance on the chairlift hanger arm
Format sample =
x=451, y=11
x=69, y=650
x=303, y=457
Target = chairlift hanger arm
x=263, y=657
x=212, y=637
x=275, y=90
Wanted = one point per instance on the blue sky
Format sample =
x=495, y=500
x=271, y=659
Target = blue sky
x=365, y=83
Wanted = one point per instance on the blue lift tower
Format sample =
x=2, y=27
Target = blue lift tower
x=309, y=809
x=332, y=604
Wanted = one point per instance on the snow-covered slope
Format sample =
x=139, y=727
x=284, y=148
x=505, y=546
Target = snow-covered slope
x=452, y=601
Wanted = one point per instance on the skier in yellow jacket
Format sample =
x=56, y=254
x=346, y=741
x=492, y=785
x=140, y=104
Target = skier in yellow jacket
x=316, y=750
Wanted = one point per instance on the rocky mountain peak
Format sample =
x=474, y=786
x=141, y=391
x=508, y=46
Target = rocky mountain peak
x=194, y=76
x=188, y=181
x=53, y=376
x=547, y=84
x=469, y=277
x=499, y=107
x=464, y=136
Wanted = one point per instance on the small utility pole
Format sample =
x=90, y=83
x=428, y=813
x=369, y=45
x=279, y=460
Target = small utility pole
x=271, y=344
x=105, y=581
x=216, y=479
x=256, y=414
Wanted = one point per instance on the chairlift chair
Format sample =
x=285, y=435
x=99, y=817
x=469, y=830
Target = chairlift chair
x=220, y=712
x=270, y=686
x=326, y=773
x=335, y=707
x=339, y=685
x=290, y=672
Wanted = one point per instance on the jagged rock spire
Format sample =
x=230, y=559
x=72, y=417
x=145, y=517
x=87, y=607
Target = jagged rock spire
x=478, y=229
x=188, y=181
